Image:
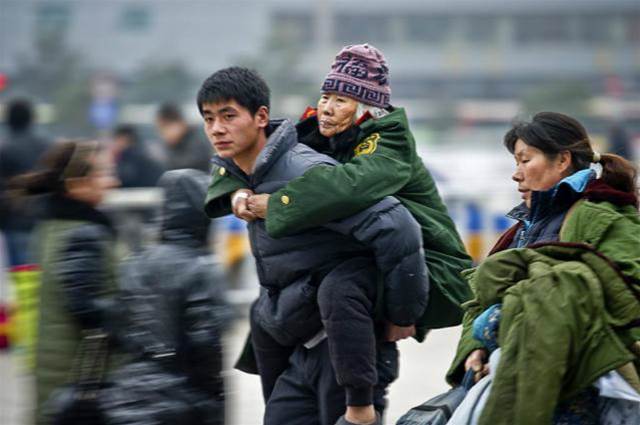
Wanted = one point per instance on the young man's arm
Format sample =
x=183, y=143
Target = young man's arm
x=380, y=168
x=396, y=241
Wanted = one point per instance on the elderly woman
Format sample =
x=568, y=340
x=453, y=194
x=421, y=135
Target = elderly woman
x=356, y=124
x=563, y=313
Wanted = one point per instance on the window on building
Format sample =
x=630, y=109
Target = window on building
x=134, y=18
x=362, y=28
x=293, y=28
x=595, y=29
x=633, y=28
x=428, y=29
x=542, y=29
x=480, y=29
x=53, y=16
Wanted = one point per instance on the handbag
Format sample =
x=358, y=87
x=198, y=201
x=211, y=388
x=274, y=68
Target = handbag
x=438, y=410
x=78, y=402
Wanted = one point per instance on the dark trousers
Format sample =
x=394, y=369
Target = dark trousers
x=346, y=300
x=307, y=393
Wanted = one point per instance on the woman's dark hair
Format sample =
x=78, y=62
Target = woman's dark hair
x=553, y=133
x=62, y=161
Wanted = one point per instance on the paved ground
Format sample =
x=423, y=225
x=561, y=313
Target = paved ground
x=422, y=367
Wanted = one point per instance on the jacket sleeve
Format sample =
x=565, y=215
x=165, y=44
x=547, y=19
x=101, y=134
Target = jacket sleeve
x=325, y=194
x=82, y=272
x=393, y=235
x=222, y=186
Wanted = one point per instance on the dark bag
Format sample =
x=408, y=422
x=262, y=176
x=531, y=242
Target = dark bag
x=78, y=403
x=438, y=410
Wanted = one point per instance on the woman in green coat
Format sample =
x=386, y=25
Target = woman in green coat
x=76, y=244
x=566, y=207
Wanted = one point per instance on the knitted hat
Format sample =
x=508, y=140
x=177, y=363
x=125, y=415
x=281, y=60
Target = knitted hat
x=360, y=72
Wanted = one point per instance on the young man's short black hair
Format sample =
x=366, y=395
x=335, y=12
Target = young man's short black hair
x=169, y=112
x=19, y=115
x=235, y=83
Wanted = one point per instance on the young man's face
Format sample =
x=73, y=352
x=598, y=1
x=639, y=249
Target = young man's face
x=232, y=130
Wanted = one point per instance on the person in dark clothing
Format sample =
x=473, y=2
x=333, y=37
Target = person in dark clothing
x=76, y=255
x=134, y=164
x=171, y=323
x=620, y=143
x=298, y=270
x=186, y=147
x=18, y=155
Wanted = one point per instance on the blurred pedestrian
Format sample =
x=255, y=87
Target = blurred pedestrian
x=171, y=316
x=18, y=154
x=134, y=164
x=186, y=147
x=76, y=255
x=620, y=142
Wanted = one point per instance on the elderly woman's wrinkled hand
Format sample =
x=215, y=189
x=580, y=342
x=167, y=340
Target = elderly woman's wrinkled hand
x=239, y=201
x=258, y=204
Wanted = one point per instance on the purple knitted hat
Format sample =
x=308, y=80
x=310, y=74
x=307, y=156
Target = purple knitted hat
x=360, y=71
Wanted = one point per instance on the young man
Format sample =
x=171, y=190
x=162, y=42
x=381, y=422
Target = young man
x=338, y=261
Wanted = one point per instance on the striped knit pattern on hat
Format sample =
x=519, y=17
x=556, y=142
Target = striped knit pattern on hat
x=360, y=71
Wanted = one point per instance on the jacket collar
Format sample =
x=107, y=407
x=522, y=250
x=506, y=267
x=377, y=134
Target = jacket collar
x=564, y=193
x=599, y=191
x=63, y=208
x=281, y=137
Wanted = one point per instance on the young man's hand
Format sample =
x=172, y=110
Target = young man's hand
x=239, y=204
x=258, y=204
x=396, y=333
x=477, y=361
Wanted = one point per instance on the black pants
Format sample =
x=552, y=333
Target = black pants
x=307, y=393
x=346, y=300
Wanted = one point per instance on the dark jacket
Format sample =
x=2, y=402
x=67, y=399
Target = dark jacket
x=76, y=255
x=387, y=231
x=19, y=155
x=171, y=314
x=136, y=168
x=191, y=151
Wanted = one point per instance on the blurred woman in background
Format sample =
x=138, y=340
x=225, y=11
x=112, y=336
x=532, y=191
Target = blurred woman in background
x=76, y=255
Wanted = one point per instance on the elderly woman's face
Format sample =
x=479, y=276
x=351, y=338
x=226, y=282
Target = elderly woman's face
x=336, y=113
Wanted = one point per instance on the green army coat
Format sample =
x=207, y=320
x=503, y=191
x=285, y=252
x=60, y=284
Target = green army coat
x=569, y=315
x=381, y=160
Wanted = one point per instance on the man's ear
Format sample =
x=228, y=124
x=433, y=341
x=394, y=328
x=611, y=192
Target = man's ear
x=262, y=117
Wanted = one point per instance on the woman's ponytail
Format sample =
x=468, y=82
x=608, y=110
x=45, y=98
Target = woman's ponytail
x=619, y=173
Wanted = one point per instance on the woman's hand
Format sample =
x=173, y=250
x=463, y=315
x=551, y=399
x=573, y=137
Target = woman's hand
x=477, y=361
x=239, y=204
x=258, y=204
x=396, y=333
